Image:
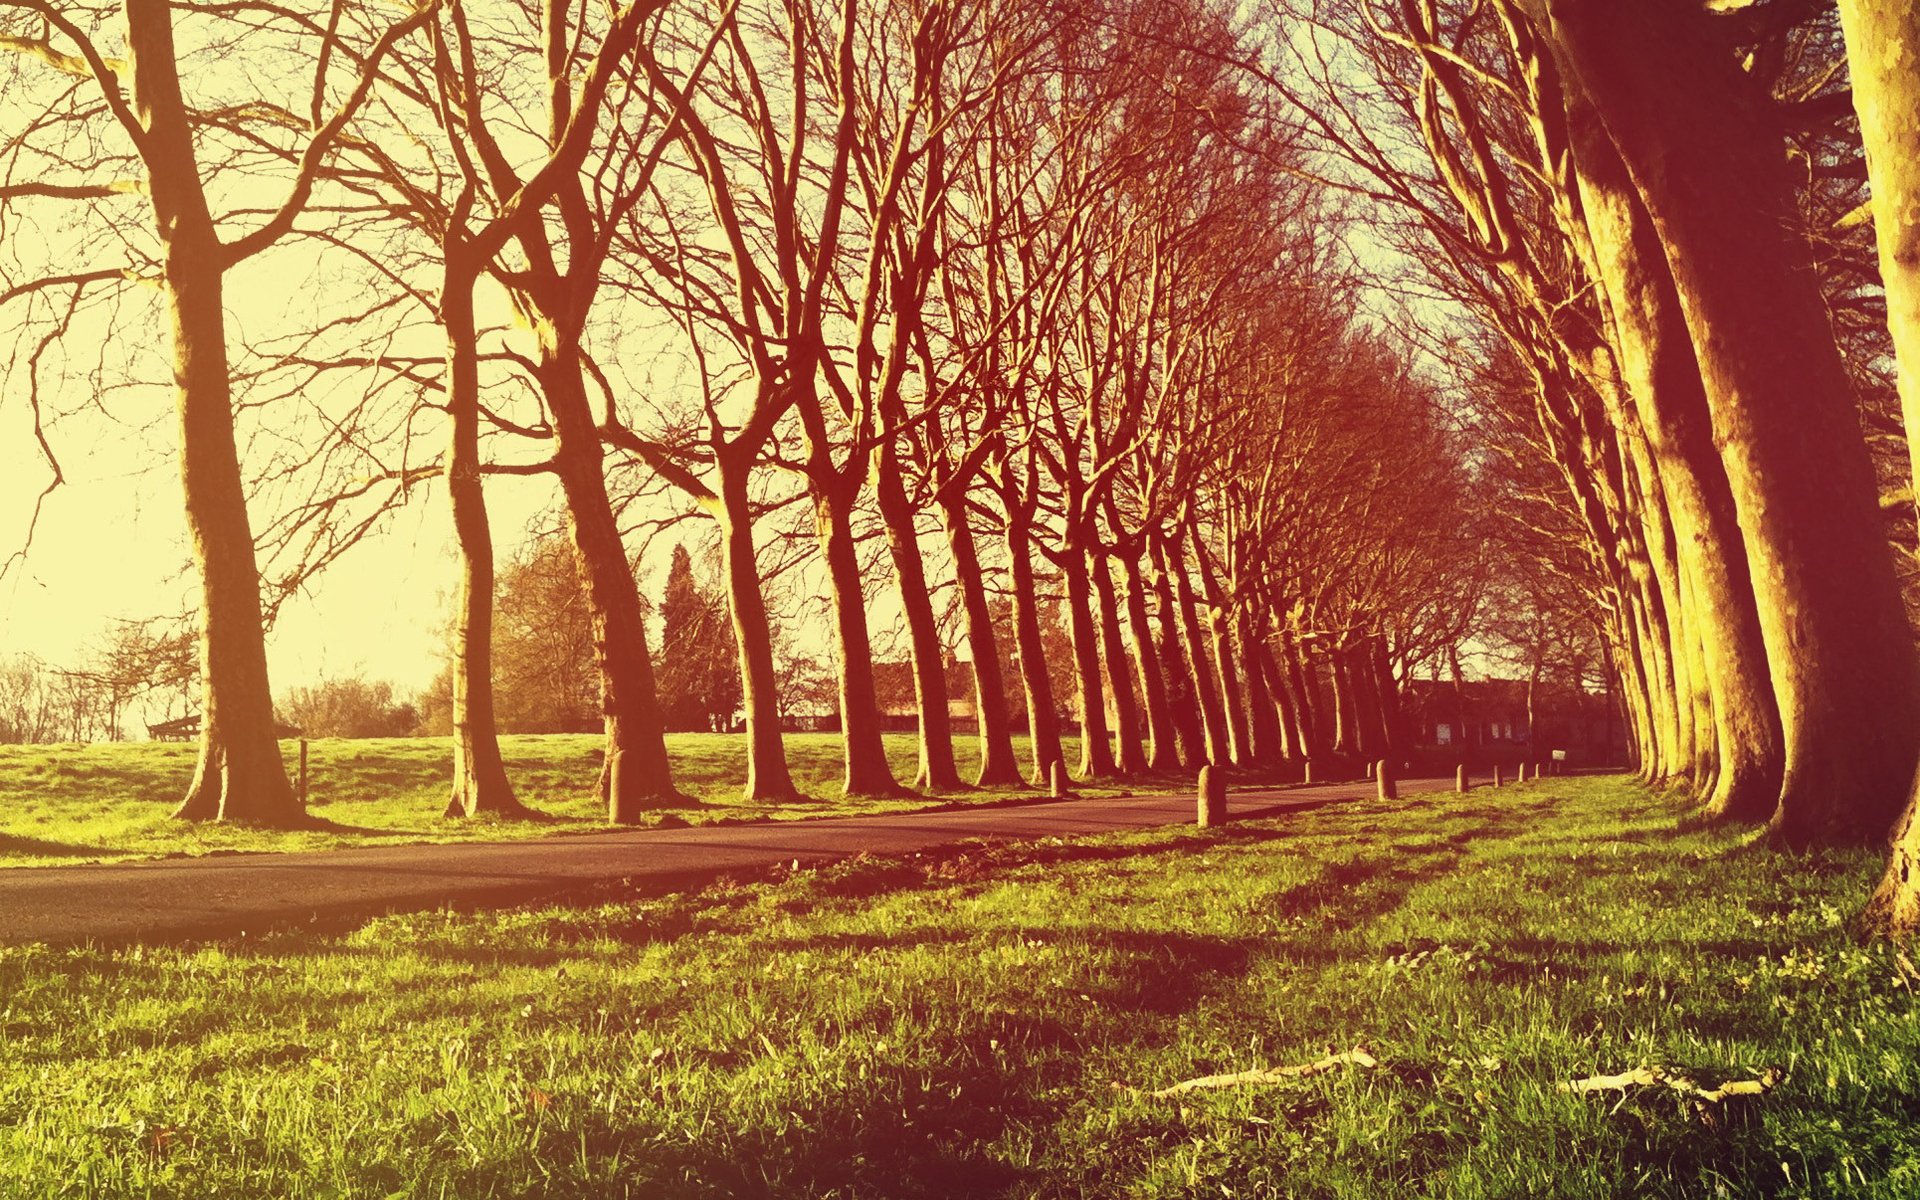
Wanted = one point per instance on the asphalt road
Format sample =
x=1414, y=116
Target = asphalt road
x=223, y=895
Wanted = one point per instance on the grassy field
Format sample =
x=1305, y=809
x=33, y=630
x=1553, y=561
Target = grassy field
x=993, y=1022
x=105, y=803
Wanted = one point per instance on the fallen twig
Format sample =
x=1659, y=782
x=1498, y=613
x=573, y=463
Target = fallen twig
x=1355, y=1057
x=1657, y=1077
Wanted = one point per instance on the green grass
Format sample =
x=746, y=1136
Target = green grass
x=990, y=1021
x=111, y=802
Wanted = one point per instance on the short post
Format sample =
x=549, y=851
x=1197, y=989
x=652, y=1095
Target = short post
x=303, y=772
x=1212, y=797
x=1460, y=778
x=1306, y=770
x=1383, y=777
x=1497, y=781
x=1370, y=771
x=1057, y=780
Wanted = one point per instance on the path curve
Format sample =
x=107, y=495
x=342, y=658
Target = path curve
x=224, y=895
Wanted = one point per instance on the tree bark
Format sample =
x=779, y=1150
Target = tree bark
x=1883, y=58
x=1163, y=751
x=1206, y=683
x=867, y=770
x=768, y=777
x=1043, y=722
x=1113, y=657
x=480, y=783
x=1096, y=746
x=636, y=775
x=998, y=765
x=1838, y=646
x=1175, y=668
x=928, y=659
x=239, y=775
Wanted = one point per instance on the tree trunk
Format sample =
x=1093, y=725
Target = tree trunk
x=1392, y=722
x=1175, y=669
x=636, y=775
x=1163, y=752
x=239, y=775
x=1096, y=747
x=936, y=770
x=1663, y=376
x=1838, y=646
x=998, y=765
x=1219, y=624
x=1043, y=722
x=768, y=778
x=1346, y=717
x=1267, y=737
x=1113, y=657
x=1883, y=58
x=1206, y=684
x=867, y=770
x=480, y=783
x=1309, y=737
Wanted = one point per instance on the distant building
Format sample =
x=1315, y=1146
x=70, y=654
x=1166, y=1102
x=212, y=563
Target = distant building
x=893, y=683
x=1500, y=720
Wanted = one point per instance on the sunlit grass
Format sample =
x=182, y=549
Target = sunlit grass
x=989, y=1022
x=102, y=803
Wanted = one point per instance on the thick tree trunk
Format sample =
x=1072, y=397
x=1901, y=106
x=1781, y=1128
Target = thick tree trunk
x=1663, y=376
x=936, y=770
x=480, y=783
x=768, y=778
x=998, y=765
x=1096, y=747
x=1163, y=752
x=1883, y=58
x=239, y=775
x=636, y=775
x=1206, y=684
x=1175, y=669
x=1346, y=717
x=1113, y=657
x=1043, y=722
x=1220, y=627
x=867, y=770
x=1392, y=721
x=1261, y=660
x=1267, y=738
x=1309, y=737
x=1838, y=646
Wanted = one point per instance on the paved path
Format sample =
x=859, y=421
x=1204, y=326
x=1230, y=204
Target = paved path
x=226, y=894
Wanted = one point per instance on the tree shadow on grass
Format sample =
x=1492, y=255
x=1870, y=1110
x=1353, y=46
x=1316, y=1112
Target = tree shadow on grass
x=11, y=844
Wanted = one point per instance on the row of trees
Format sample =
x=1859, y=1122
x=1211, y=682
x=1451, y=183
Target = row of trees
x=964, y=293
x=1661, y=218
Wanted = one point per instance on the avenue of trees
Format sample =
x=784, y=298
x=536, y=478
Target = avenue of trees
x=1010, y=316
x=1684, y=348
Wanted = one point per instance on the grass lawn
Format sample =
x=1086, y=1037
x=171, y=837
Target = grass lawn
x=992, y=1021
x=105, y=803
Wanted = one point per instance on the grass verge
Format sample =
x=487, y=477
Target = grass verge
x=992, y=1021
x=72, y=804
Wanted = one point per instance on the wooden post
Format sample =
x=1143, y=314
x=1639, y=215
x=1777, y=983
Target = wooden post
x=1057, y=780
x=303, y=772
x=1212, y=797
x=1460, y=778
x=1497, y=781
x=1306, y=770
x=1383, y=777
x=1370, y=771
